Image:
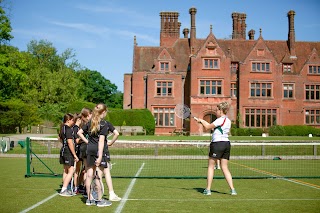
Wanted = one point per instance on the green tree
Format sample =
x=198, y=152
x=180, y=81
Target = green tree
x=97, y=88
x=5, y=26
x=51, y=80
x=15, y=113
x=13, y=76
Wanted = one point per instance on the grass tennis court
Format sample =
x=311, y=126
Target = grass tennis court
x=159, y=195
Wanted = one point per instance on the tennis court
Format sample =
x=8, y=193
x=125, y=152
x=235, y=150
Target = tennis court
x=173, y=184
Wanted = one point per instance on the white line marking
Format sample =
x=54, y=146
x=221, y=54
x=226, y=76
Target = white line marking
x=224, y=199
x=126, y=195
x=40, y=203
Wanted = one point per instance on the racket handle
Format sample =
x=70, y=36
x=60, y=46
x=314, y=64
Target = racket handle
x=195, y=118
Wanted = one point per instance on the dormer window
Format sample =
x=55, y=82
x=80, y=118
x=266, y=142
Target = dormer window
x=164, y=66
x=287, y=67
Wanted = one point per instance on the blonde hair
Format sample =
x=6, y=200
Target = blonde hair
x=96, y=117
x=224, y=106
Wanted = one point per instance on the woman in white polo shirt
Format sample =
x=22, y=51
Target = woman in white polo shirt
x=219, y=146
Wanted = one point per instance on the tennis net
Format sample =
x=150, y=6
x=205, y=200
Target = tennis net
x=171, y=159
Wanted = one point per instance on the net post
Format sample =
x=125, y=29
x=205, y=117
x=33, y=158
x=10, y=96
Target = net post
x=28, y=174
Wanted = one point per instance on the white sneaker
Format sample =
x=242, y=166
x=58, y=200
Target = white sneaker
x=114, y=198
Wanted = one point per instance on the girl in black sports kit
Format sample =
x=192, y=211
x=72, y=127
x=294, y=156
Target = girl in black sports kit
x=85, y=115
x=219, y=147
x=67, y=153
x=77, y=142
x=97, y=151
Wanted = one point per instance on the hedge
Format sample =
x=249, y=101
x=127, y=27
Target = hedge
x=132, y=117
x=277, y=130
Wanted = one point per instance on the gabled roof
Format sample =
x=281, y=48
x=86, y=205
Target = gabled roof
x=144, y=56
x=236, y=49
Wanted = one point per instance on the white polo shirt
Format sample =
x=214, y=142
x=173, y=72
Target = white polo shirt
x=221, y=132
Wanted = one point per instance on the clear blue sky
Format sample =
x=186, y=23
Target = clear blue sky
x=101, y=32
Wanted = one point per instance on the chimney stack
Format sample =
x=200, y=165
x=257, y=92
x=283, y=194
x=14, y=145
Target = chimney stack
x=291, y=34
x=192, y=12
x=170, y=28
x=185, y=32
x=251, y=34
x=239, y=25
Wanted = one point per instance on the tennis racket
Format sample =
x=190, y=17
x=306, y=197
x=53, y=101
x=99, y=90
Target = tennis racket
x=96, y=186
x=183, y=111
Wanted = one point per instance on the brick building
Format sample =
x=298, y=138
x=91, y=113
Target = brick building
x=266, y=82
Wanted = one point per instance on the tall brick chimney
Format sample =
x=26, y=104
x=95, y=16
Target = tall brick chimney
x=239, y=25
x=192, y=12
x=291, y=34
x=170, y=28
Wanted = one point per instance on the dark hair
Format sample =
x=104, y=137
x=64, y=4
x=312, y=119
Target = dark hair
x=66, y=118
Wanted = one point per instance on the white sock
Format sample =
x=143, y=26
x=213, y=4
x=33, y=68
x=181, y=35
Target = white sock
x=111, y=193
x=63, y=188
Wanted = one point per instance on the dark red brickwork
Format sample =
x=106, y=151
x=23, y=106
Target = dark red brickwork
x=272, y=78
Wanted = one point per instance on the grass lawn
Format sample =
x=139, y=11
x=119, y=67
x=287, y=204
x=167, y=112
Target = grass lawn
x=35, y=194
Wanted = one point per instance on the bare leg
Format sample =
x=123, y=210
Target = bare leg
x=89, y=178
x=77, y=173
x=68, y=170
x=107, y=175
x=210, y=174
x=226, y=172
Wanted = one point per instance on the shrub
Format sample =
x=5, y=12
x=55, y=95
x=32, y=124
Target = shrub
x=132, y=117
x=277, y=130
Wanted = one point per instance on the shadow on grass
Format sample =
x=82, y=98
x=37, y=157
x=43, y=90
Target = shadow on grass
x=200, y=190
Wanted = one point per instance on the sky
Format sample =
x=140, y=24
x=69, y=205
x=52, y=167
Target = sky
x=101, y=32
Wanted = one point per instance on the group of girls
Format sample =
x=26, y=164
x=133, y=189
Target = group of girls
x=85, y=150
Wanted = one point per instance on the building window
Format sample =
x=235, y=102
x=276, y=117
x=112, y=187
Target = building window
x=211, y=64
x=312, y=92
x=164, y=88
x=210, y=87
x=313, y=116
x=287, y=67
x=260, y=67
x=260, y=117
x=288, y=91
x=164, y=116
x=234, y=91
x=164, y=66
x=315, y=70
x=234, y=67
x=261, y=90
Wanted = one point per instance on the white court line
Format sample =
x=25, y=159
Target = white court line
x=126, y=195
x=224, y=199
x=40, y=203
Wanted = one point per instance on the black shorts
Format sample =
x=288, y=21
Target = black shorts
x=91, y=160
x=220, y=150
x=83, y=150
x=67, y=159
